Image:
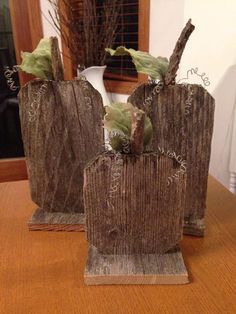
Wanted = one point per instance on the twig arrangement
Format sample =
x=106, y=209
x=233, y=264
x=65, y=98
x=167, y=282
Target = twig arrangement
x=86, y=29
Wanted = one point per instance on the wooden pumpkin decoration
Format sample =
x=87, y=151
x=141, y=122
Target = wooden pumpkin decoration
x=187, y=130
x=182, y=116
x=61, y=124
x=134, y=210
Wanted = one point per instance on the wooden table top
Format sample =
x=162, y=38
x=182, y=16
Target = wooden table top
x=42, y=272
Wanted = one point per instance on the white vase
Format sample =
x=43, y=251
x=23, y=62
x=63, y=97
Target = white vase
x=95, y=77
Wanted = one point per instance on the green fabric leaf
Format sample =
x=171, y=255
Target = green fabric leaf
x=38, y=62
x=144, y=62
x=118, y=120
x=116, y=142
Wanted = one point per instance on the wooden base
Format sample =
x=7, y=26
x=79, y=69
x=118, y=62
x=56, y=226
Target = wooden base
x=42, y=220
x=194, y=228
x=143, y=269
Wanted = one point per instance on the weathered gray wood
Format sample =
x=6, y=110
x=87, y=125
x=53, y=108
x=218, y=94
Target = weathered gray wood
x=42, y=220
x=103, y=269
x=137, y=132
x=130, y=208
x=57, y=67
x=61, y=126
x=177, y=53
x=166, y=111
x=182, y=118
x=134, y=218
x=195, y=227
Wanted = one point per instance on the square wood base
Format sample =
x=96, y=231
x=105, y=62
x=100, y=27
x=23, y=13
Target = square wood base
x=42, y=220
x=168, y=268
x=194, y=228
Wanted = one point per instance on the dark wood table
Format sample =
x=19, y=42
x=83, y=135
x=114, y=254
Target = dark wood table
x=42, y=272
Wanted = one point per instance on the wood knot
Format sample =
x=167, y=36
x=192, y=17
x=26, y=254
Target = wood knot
x=113, y=233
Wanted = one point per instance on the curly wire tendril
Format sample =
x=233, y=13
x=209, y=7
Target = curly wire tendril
x=180, y=161
x=189, y=101
x=116, y=169
x=8, y=75
x=34, y=106
x=194, y=71
x=124, y=138
x=83, y=79
x=85, y=88
x=156, y=90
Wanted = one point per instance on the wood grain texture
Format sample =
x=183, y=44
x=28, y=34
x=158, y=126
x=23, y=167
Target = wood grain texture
x=166, y=111
x=57, y=66
x=42, y=272
x=62, y=131
x=175, y=58
x=194, y=227
x=186, y=129
x=136, y=269
x=137, y=132
x=42, y=220
x=130, y=209
x=12, y=169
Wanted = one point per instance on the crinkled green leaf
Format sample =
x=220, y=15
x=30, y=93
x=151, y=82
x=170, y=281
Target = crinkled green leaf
x=118, y=117
x=38, y=62
x=144, y=62
x=117, y=142
x=118, y=120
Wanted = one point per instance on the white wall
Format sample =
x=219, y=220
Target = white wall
x=211, y=48
x=48, y=28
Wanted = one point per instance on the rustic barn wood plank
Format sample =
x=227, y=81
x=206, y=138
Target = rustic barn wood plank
x=61, y=126
x=194, y=227
x=141, y=269
x=123, y=193
x=166, y=111
x=42, y=220
x=134, y=211
x=182, y=118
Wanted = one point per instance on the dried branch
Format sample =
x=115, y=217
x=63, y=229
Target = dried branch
x=177, y=53
x=57, y=66
x=137, y=132
x=87, y=31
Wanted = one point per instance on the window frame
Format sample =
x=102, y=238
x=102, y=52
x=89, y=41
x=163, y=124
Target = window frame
x=26, y=16
x=112, y=85
x=126, y=87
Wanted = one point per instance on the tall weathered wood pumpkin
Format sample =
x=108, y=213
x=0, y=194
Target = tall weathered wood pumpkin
x=61, y=133
x=182, y=117
x=61, y=123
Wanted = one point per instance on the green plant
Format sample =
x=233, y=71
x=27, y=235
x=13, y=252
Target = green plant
x=118, y=121
x=38, y=62
x=144, y=62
